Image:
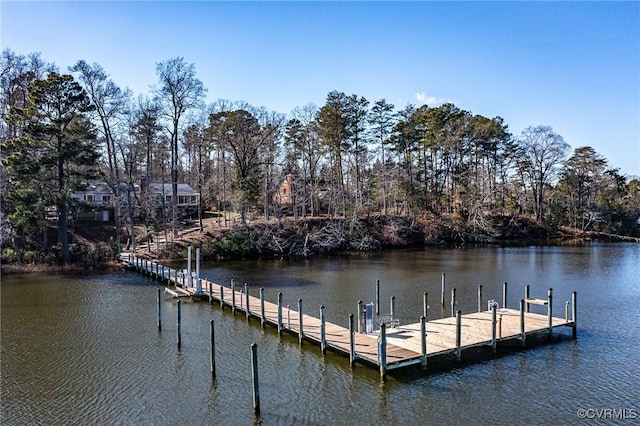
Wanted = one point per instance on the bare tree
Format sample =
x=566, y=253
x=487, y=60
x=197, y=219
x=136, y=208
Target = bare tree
x=179, y=91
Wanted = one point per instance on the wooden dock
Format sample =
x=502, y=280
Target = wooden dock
x=388, y=347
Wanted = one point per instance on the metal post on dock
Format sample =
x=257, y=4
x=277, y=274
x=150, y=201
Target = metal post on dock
x=279, y=314
x=550, y=310
x=443, y=289
x=262, y=316
x=493, y=327
x=323, y=333
x=159, y=316
x=210, y=292
x=504, y=295
x=377, y=297
x=458, y=334
x=393, y=307
x=425, y=306
x=480, y=298
x=300, y=329
x=522, y=329
x=233, y=296
x=198, y=262
x=289, y=317
x=221, y=297
x=179, y=327
x=212, y=347
x=359, y=316
x=352, y=343
x=566, y=311
x=423, y=341
x=526, y=297
x=246, y=298
x=453, y=301
x=254, y=376
x=382, y=351
x=500, y=327
x=574, y=308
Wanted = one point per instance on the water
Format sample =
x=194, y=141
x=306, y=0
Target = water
x=86, y=350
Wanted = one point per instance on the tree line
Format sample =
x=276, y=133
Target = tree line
x=346, y=158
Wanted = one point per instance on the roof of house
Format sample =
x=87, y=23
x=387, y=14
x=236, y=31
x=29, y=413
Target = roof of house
x=183, y=188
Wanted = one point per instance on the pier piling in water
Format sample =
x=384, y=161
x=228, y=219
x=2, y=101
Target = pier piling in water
x=254, y=376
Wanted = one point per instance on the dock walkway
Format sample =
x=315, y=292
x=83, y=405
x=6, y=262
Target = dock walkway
x=387, y=348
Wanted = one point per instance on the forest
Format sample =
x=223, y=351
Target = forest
x=350, y=158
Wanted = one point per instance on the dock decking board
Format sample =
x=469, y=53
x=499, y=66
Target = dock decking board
x=403, y=344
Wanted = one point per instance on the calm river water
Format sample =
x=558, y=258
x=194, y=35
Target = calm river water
x=86, y=350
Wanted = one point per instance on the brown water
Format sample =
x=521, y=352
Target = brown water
x=86, y=350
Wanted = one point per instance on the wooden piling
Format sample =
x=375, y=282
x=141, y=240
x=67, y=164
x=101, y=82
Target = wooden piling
x=500, y=327
x=523, y=335
x=360, y=307
x=246, y=298
x=189, y=277
x=212, y=347
x=352, y=342
x=233, y=296
x=377, y=297
x=566, y=312
x=221, y=297
x=382, y=352
x=323, y=333
x=279, y=314
x=254, y=375
x=179, y=327
x=300, y=328
x=443, y=289
x=263, y=318
x=423, y=340
x=159, y=316
x=550, y=310
x=574, y=312
x=504, y=295
x=425, y=306
x=210, y=292
x=289, y=317
x=480, y=298
x=493, y=328
x=458, y=334
x=453, y=301
x=526, y=297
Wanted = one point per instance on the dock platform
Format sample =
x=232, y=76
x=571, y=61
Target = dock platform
x=387, y=347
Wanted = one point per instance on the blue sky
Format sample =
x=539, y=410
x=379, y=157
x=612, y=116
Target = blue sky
x=574, y=66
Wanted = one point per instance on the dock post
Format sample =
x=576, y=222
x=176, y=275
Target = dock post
x=289, y=317
x=393, y=307
x=377, y=297
x=526, y=297
x=246, y=298
x=279, y=314
x=262, y=317
x=574, y=308
x=550, y=310
x=425, y=306
x=352, y=343
x=233, y=296
x=210, y=292
x=382, y=351
x=453, y=301
x=458, y=334
x=522, y=329
x=189, y=277
x=359, y=316
x=212, y=347
x=493, y=328
x=500, y=327
x=423, y=341
x=198, y=262
x=301, y=330
x=480, y=298
x=179, y=327
x=504, y=295
x=254, y=375
x=566, y=311
x=221, y=297
x=323, y=333
x=443, y=287
x=159, y=317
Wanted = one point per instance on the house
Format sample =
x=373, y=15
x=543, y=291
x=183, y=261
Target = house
x=160, y=195
x=98, y=197
x=284, y=196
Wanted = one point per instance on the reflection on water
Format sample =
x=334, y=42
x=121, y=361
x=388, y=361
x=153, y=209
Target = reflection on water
x=87, y=351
